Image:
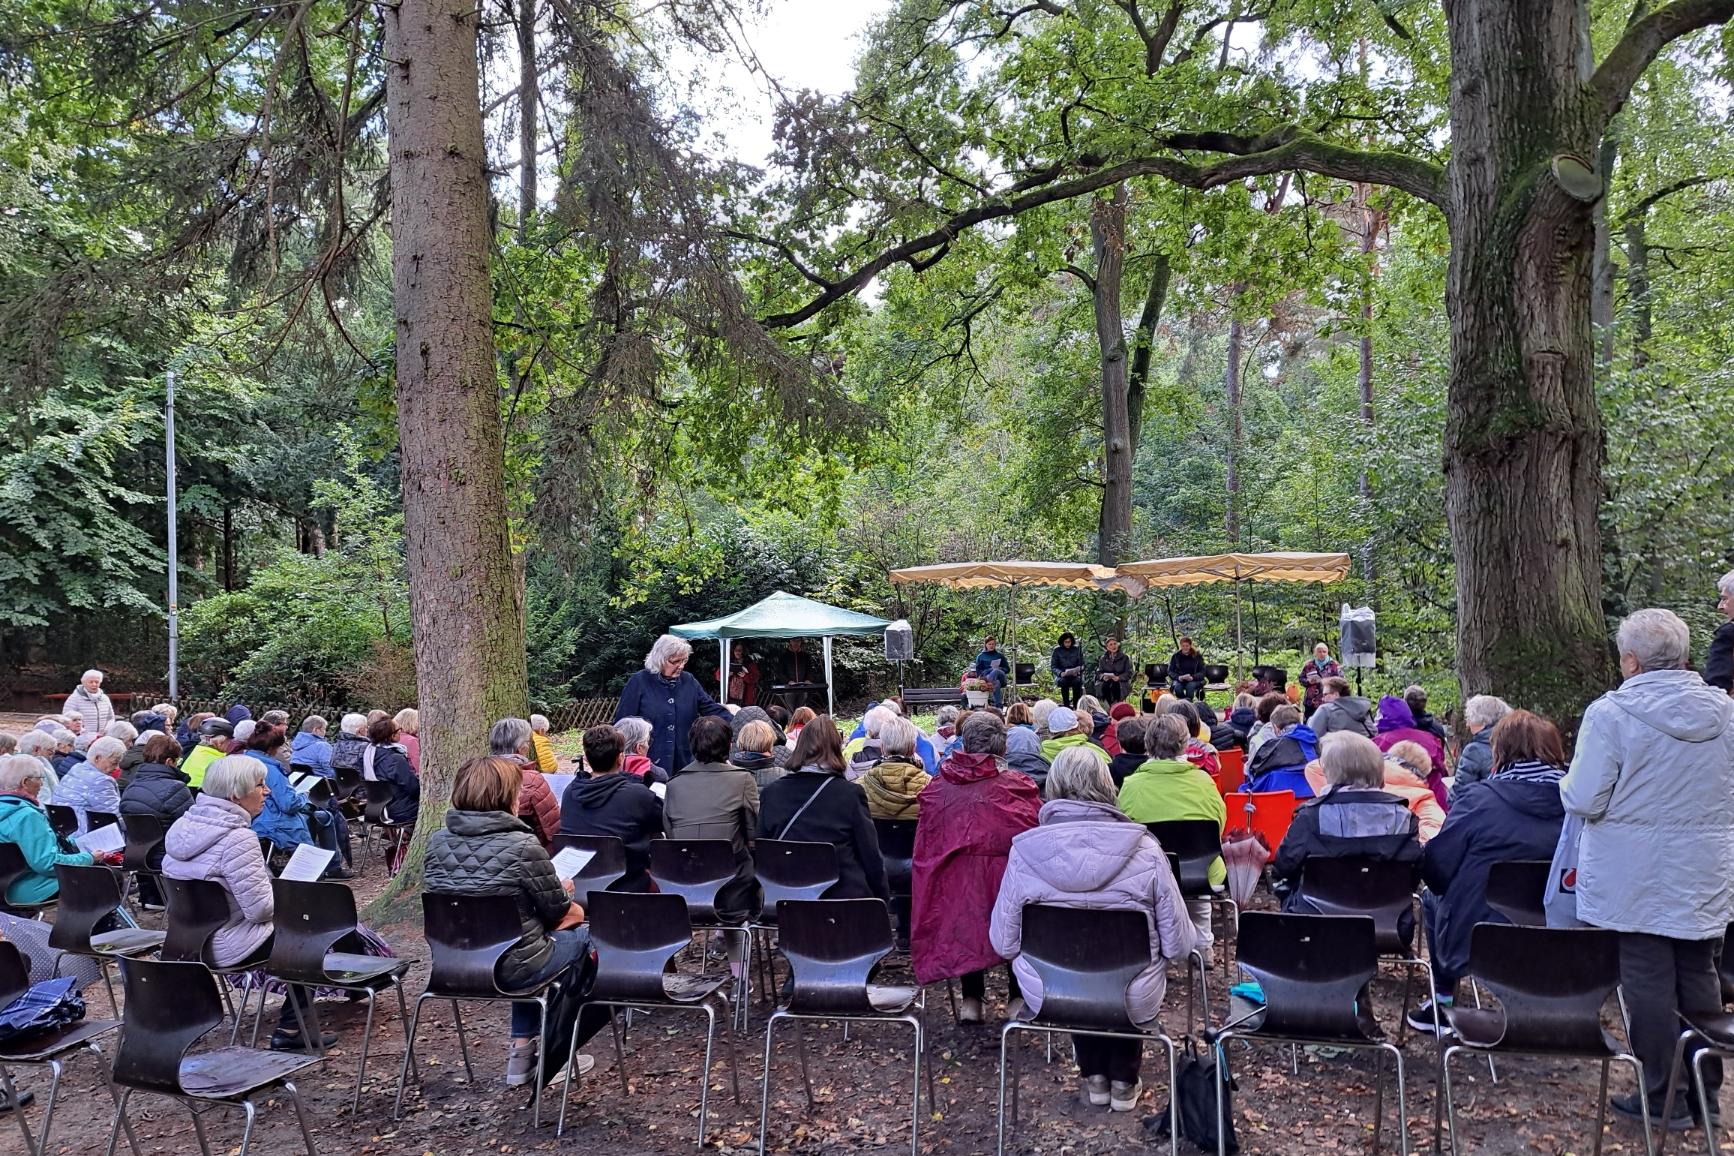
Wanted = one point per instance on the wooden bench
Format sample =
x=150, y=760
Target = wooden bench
x=914, y=696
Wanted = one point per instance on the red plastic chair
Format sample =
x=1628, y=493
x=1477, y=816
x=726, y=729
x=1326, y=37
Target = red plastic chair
x=1266, y=813
x=1233, y=772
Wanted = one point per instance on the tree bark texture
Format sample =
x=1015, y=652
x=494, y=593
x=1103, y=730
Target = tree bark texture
x=1108, y=238
x=1523, y=439
x=469, y=627
x=1144, y=349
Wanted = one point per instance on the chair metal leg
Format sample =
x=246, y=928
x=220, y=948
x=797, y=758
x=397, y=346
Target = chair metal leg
x=765, y=1087
x=199, y=1130
x=1475, y=991
x=1174, y=1092
x=1221, y=1046
x=1004, y=1032
x=734, y=1066
x=1402, y=1104
x=108, y=982
x=915, y=1091
x=619, y=1051
x=1378, y=1101
x=1704, y=1103
x=366, y=1038
x=463, y=1044
x=1643, y=1098
x=301, y=1117
x=403, y=1019
x=11, y=1091
x=102, y=1066
x=114, y=1129
x=536, y=1114
x=408, y=1054
x=801, y=1051
x=1602, y=1108
x=1674, y=1073
x=247, y=1129
x=704, y=1073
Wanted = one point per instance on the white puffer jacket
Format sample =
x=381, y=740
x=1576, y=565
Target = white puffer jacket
x=1653, y=780
x=215, y=841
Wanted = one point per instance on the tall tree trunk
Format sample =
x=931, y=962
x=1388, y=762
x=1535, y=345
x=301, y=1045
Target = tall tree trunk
x=1523, y=439
x=469, y=628
x=1231, y=525
x=1144, y=348
x=1638, y=288
x=1603, y=274
x=1108, y=237
x=527, y=114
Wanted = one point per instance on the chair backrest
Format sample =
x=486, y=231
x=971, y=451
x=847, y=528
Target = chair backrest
x=1267, y=813
x=1196, y=844
x=88, y=895
x=144, y=834
x=635, y=936
x=466, y=936
x=1232, y=760
x=1314, y=971
x=1156, y=673
x=695, y=870
x=607, y=864
x=1215, y=673
x=1724, y=965
x=378, y=796
x=1354, y=885
x=168, y=1007
x=98, y=819
x=832, y=946
x=309, y=919
x=14, y=973
x=349, y=781
x=897, y=850
x=13, y=867
x=1517, y=888
x=196, y=909
x=1023, y=673
x=1551, y=983
x=788, y=869
x=1086, y=960
x=63, y=820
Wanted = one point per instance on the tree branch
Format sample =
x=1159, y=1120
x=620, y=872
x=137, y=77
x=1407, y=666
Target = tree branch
x=1643, y=40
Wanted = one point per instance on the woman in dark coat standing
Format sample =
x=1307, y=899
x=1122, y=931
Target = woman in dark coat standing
x=814, y=803
x=669, y=699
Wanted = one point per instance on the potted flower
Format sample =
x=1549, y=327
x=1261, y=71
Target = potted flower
x=977, y=691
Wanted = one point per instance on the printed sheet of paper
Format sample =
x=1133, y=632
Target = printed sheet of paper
x=102, y=839
x=569, y=861
x=558, y=785
x=307, y=864
x=660, y=790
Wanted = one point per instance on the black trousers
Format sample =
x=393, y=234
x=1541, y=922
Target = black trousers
x=1119, y=1060
x=1071, y=690
x=974, y=984
x=1110, y=690
x=1661, y=977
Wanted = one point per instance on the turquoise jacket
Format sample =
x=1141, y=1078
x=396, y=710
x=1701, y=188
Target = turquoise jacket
x=24, y=823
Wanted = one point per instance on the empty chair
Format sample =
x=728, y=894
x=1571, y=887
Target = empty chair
x=13, y=866
x=1382, y=889
x=636, y=935
x=169, y=1007
x=1517, y=888
x=1086, y=960
x=1267, y=814
x=1316, y=972
x=787, y=869
x=88, y=897
x=607, y=865
x=312, y=920
x=832, y=946
x=1193, y=845
x=1551, y=983
x=64, y=820
x=45, y=1051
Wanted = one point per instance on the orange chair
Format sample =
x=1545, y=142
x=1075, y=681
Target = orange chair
x=1266, y=813
x=1233, y=772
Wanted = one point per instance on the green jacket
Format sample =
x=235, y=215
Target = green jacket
x=1052, y=747
x=198, y=760
x=24, y=823
x=1163, y=790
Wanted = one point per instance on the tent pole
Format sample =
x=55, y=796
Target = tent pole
x=1239, y=646
x=830, y=684
x=723, y=690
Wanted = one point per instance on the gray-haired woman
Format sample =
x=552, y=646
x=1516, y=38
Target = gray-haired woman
x=1719, y=663
x=669, y=699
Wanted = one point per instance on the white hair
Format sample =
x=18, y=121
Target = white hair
x=105, y=748
x=874, y=723
x=122, y=730
x=62, y=735
x=897, y=736
x=635, y=731
x=35, y=743
x=509, y=736
x=1725, y=584
x=1483, y=710
x=8, y=742
x=539, y=723
x=666, y=649
x=92, y=673
x=947, y=714
x=1078, y=774
x=15, y=769
x=232, y=776
x=314, y=724
x=1351, y=760
x=353, y=724
x=890, y=704
x=1656, y=638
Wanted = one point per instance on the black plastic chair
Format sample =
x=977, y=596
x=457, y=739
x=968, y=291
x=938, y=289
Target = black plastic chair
x=1216, y=675
x=1384, y=890
x=94, y=820
x=1552, y=984
x=1316, y=972
x=607, y=864
x=636, y=935
x=1156, y=673
x=144, y=837
x=1192, y=846
x=1517, y=889
x=89, y=895
x=169, y=1007
x=466, y=936
x=1086, y=960
x=64, y=820
x=697, y=870
x=311, y=921
x=787, y=869
x=196, y=909
x=13, y=867
x=45, y=1051
x=897, y=852
x=832, y=946
x=374, y=818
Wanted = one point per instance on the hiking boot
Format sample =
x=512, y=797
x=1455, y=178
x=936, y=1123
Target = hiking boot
x=1627, y=1106
x=970, y=1011
x=1124, y=1097
x=1095, y=1091
x=1420, y=1016
x=282, y=1041
x=521, y=1061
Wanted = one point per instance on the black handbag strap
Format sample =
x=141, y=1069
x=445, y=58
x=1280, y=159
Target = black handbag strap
x=802, y=809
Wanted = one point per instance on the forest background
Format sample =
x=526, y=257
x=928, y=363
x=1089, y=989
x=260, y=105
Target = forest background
x=702, y=402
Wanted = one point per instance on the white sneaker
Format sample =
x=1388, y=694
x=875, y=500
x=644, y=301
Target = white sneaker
x=1096, y=1091
x=970, y=1011
x=521, y=1061
x=583, y=1063
x=1124, y=1097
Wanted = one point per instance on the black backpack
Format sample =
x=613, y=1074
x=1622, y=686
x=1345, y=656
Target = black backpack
x=1195, y=1086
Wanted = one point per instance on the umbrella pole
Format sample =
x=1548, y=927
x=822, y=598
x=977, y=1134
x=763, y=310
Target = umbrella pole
x=830, y=685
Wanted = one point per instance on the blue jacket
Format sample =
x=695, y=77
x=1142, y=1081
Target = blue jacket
x=1280, y=764
x=1494, y=819
x=923, y=744
x=992, y=664
x=284, y=819
x=24, y=823
x=313, y=751
x=670, y=706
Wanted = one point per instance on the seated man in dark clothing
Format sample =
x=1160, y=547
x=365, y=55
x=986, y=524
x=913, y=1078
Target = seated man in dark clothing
x=610, y=802
x=1186, y=668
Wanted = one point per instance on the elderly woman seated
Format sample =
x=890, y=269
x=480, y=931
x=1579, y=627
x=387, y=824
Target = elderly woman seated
x=1086, y=853
x=90, y=786
x=214, y=841
x=25, y=823
x=39, y=745
x=894, y=782
x=485, y=848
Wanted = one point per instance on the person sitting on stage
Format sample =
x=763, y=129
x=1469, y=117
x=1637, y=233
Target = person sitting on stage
x=1281, y=763
x=1067, y=663
x=1113, y=673
x=990, y=665
x=1186, y=670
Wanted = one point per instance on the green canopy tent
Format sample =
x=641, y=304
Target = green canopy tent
x=784, y=616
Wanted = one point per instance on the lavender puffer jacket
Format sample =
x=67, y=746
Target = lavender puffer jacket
x=214, y=840
x=1090, y=855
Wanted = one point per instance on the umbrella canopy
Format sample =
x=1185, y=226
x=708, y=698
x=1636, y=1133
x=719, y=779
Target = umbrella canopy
x=1282, y=566
x=784, y=616
x=979, y=575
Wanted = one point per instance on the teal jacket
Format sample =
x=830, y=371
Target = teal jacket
x=24, y=823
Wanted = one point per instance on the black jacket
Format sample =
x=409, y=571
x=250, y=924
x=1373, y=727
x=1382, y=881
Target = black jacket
x=391, y=766
x=1343, y=823
x=1425, y=720
x=619, y=805
x=1116, y=663
x=346, y=750
x=1719, y=662
x=839, y=817
x=1241, y=722
x=493, y=853
x=1064, y=659
x=1490, y=820
x=1184, y=665
x=1124, y=764
x=159, y=791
